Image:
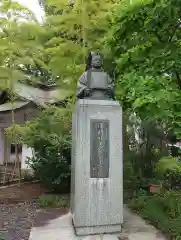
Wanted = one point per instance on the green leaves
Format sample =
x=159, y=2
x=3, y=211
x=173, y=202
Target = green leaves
x=71, y=31
x=144, y=41
x=19, y=42
x=58, y=47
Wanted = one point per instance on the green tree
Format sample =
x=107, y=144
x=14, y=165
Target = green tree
x=19, y=42
x=52, y=144
x=20, y=47
x=71, y=31
x=144, y=42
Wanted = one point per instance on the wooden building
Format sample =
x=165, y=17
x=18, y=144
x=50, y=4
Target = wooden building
x=26, y=107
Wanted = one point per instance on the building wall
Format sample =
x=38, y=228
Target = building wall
x=21, y=115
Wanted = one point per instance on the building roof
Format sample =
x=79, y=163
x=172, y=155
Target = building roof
x=9, y=106
x=40, y=97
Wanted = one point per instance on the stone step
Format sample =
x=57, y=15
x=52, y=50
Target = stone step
x=101, y=237
x=145, y=236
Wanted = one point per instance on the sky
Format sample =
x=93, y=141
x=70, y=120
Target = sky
x=34, y=6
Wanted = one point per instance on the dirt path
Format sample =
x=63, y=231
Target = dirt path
x=21, y=193
x=18, y=210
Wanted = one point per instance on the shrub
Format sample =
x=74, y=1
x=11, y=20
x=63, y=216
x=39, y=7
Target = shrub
x=169, y=170
x=138, y=202
x=52, y=201
x=168, y=164
x=131, y=180
x=52, y=169
x=50, y=136
x=137, y=171
x=162, y=210
x=27, y=175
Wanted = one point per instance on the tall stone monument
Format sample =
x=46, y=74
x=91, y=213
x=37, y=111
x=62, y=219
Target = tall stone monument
x=97, y=179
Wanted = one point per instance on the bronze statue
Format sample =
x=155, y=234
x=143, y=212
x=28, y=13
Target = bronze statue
x=94, y=82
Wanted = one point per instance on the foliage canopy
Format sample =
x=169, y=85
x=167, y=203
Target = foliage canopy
x=19, y=43
x=144, y=42
x=71, y=30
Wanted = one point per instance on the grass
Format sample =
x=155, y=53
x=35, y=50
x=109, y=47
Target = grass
x=162, y=210
x=52, y=201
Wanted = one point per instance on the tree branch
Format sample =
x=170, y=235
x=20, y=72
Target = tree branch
x=178, y=79
x=158, y=36
x=174, y=31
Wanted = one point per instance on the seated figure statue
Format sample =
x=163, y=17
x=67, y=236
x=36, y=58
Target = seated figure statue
x=95, y=83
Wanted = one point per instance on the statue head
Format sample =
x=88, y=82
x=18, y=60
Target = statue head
x=95, y=83
x=96, y=61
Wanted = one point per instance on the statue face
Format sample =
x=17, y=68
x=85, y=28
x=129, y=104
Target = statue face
x=96, y=61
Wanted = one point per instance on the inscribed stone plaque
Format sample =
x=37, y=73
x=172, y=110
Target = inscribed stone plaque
x=99, y=149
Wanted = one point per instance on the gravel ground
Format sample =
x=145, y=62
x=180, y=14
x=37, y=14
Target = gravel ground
x=17, y=210
x=16, y=220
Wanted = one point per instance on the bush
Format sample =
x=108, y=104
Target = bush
x=162, y=210
x=50, y=136
x=27, y=175
x=137, y=172
x=52, y=169
x=169, y=170
x=131, y=180
x=168, y=164
x=52, y=201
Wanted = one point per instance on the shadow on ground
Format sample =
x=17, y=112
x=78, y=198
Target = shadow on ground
x=44, y=216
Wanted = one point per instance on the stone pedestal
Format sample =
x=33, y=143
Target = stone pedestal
x=97, y=181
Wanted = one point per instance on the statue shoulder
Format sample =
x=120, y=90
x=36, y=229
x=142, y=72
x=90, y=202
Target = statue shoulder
x=83, y=78
x=110, y=80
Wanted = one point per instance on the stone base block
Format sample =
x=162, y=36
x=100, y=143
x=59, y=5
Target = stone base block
x=101, y=237
x=145, y=235
x=83, y=231
x=97, y=172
